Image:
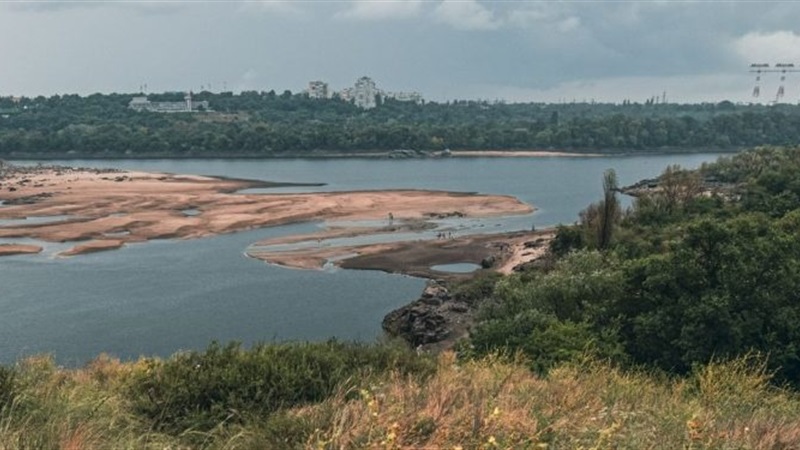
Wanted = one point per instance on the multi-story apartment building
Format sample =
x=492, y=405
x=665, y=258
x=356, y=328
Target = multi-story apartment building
x=317, y=89
x=187, y=105
x=364, y=94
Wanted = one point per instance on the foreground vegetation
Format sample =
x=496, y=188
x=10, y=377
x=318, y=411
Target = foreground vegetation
x=267, y=124
x=673, y=324
x=481, y=404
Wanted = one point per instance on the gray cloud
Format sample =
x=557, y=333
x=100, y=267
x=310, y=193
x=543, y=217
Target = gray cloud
x=146, y=7
x=444, y=49
x=381, y=10
x=466, y=15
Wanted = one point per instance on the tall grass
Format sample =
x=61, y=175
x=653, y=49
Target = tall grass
x=482, y=404
x=495, y=403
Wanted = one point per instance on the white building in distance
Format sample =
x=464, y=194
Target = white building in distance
x=317, y=90
x=415, y=97
x=141, y=103
x=364, y=94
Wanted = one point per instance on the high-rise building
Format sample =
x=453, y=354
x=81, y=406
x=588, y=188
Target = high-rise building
x=317, y=89
x=365, y=93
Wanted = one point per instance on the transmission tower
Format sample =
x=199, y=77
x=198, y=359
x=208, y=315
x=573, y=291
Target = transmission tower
x=758, y=69
x=782, y=68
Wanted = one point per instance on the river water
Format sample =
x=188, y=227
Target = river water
x=159, y=297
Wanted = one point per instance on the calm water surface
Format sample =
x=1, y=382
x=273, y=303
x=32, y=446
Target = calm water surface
x=159, y=297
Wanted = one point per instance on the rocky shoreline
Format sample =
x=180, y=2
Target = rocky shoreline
x=435, y=321
x=438, y=319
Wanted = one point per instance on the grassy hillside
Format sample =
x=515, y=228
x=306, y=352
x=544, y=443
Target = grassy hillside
x=481, y=404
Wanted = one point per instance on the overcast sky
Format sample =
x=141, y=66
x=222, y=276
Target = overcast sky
x=446, y=49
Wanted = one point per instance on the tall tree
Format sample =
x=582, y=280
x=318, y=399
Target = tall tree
x=610, y=209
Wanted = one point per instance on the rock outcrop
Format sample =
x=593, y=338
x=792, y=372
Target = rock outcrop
x=436, y=317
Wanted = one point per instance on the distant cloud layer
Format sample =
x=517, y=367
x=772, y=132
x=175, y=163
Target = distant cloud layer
x=466, y=15
x=381, y=10
x=771, y=47
x=443, y=48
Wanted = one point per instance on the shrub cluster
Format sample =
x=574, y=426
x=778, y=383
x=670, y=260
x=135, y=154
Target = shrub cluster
x=229, y=384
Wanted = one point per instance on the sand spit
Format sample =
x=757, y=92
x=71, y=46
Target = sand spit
x=138, y=206
x=520, y=154
x=501, y=252
x=93, y=246
x=18, y=249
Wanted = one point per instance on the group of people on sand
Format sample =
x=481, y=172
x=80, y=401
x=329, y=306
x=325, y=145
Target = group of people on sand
x=444, y=235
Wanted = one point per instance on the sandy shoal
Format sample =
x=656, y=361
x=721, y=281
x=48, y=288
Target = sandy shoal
x=122, y=207
x=520, y=154
x=18, y=249
x=507, y=251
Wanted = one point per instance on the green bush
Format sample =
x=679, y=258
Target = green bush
x=477, y=288
x=228, y=384
x=544, y=340
x=567, y=239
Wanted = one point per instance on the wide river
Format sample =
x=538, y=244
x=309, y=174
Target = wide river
x=159, y=297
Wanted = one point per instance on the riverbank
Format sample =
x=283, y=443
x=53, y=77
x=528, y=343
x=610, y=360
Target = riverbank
x=437, y=320
x=371, y=154
x=520, y=154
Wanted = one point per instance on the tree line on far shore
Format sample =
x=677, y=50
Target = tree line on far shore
x=269, y=124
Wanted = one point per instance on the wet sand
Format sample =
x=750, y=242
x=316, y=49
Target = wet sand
x=503, y=252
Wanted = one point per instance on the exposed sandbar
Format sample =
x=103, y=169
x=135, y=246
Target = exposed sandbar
x=520, y=154
x=136, y=206
x=505, y=252
x=18, y=249
x=93, y=246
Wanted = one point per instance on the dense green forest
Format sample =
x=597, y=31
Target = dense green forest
x=269, y=124
x=705, y=266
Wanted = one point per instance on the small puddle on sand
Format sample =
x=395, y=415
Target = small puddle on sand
x=35, y=220
x=190, y=212
x=117, y=233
